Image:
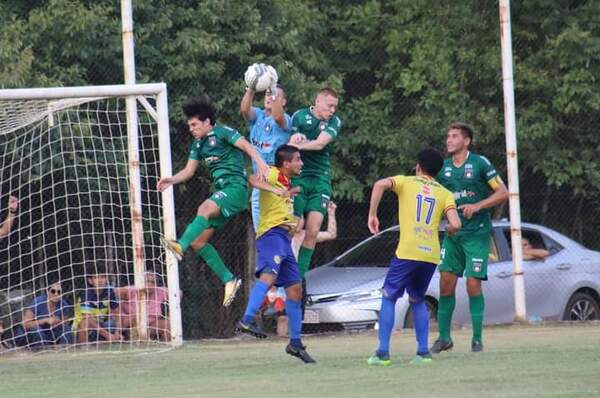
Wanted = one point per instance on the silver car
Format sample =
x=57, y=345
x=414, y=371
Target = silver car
x=345, y=293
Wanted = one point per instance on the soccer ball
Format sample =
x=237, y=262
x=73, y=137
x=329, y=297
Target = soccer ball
x=260, y=77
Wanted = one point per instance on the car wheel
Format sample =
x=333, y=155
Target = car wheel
x=582, y=307
x=431, y=308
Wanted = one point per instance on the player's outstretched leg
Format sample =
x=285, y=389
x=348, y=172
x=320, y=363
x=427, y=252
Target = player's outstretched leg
x=192, y=231
x=386, y=325
x=421, y=322
x=257, y=296
x=232, y=284
x=295, y=347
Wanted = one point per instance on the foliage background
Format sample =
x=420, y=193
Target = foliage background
x=404, y=69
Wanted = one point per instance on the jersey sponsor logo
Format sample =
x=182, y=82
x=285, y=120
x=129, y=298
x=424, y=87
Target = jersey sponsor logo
x=468, y=170
x=261, y=144
x=210, y=159
x=424, y=248
x=463, y=194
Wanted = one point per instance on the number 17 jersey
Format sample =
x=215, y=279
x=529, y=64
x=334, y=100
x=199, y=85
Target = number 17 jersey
x=422, y=202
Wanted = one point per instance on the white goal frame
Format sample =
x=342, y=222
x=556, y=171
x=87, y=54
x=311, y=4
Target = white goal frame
x=161, y=116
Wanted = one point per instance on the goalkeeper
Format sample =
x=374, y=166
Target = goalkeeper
x=222, y=149
x=269, y=127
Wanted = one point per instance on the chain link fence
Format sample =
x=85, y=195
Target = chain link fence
x=404, y=71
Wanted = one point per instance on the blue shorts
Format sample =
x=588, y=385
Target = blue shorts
x=275, y=256
x=412, y=276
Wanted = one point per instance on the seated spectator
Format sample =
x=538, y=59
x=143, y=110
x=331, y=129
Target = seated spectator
x=533, y=254
x=322, y=236
x=273, y=308
x=156, y=296
x=47, y=321
x=99, y=315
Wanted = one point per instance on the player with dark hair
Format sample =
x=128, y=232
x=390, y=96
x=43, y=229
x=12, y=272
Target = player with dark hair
x=477, y=188
x=313, y=129
x=222, y=149
x=276, y=264
x=422, y=203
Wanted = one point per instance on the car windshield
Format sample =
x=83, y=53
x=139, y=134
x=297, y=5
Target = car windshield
x=376, y=252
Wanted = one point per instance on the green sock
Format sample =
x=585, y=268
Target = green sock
x=193, y=230
x=476, y=306
x=445, y=310
x=304, y=256
x=209, y=254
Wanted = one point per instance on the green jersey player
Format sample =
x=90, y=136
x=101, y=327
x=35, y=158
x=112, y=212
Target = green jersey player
x=222, y=149
x=313, y=129
x=477, y=188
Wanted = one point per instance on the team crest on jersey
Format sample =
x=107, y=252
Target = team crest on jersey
x=477, y=264
x=468, y=170
x=277, y=259
x=212, y=141
x=322, y=125
x=268, y=127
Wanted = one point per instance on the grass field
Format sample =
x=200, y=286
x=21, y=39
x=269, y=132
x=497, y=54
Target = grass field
x=519, y=361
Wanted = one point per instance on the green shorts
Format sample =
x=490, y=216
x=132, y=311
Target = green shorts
x=466, y=254
x=315, y=195
x=231, y=199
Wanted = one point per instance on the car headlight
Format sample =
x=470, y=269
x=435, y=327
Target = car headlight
x=360, y=296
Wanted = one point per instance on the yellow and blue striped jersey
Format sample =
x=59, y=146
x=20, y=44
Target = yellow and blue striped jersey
x=422, y=202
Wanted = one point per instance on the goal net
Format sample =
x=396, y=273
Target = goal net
x=80, y=255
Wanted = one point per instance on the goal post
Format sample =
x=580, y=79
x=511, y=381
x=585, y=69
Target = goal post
x=86, y=182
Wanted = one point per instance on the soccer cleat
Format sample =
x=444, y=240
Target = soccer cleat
x=476, y=346
x=375, y=360
x=421, y=359
x=299, y=353
x=172, y=246
x=231, y=288
x=441, y=345
x=251, y=328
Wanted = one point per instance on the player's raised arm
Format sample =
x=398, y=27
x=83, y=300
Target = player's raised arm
x=262, y=169
x=183, y=175
x=331, y=232
x=277, y=108
x=246, y=105
x=379, y=188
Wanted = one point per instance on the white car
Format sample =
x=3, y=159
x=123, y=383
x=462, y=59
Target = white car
x=345, y=293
